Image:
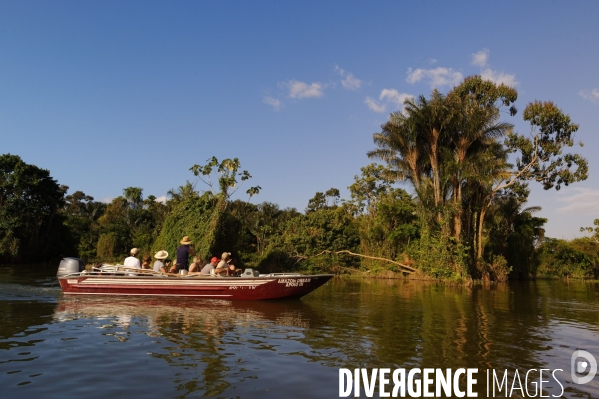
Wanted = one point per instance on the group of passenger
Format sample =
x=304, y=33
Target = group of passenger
x=225, y=266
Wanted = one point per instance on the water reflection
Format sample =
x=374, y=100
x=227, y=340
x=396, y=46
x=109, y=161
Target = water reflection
x=133, y=347
x=216, y=339
x=417, y=324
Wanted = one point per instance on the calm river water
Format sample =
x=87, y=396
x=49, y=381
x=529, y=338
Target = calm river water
x=88, y=347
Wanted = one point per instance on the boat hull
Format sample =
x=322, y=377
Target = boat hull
x=235, y=288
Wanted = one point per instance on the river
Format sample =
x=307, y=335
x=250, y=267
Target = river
x=56, y=346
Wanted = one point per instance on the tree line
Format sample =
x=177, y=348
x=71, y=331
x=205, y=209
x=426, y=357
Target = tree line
x=466, y=217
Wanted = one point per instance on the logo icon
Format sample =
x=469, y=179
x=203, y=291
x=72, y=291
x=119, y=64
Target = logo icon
x=580, y=366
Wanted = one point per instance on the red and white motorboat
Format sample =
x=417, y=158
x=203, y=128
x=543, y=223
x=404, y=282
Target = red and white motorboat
x=119, y=280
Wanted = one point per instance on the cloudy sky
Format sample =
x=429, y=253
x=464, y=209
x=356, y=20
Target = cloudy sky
x=112, y=94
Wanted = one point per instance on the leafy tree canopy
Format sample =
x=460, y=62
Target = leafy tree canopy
x=30, y=200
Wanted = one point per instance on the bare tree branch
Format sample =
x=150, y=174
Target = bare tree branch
x=407, y=268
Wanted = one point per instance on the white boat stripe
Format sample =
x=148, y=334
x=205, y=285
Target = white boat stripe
x=104, y=293
x=93, y=281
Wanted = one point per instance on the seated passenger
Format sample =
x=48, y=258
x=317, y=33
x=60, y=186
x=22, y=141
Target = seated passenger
x=145, y=264
x=167, y=265
x=195, y=266
x=210, y=266
x=173, y=268
x=233, y=269
x=205, y=263
x=223, y=266
x=132, y=261
x=160, y=257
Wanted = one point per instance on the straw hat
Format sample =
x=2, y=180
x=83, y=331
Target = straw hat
x=161, y=254
x=185, y=240
x=225, y=255
x=134, y=251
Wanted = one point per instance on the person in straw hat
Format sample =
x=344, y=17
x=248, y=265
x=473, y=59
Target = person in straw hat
x=160, y=256
x=183, y=252
x=132, y=261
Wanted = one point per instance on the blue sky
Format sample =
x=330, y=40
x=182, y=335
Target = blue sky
x=113, y=94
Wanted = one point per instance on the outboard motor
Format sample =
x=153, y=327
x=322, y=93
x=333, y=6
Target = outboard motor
x=70, y=265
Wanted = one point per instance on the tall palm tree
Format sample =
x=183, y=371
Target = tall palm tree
x=474, y=141
x=475, y=127
x=431, y=119
x=412, y=143
x=399, y=148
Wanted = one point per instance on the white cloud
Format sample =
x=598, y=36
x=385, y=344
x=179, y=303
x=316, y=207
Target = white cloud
x=273, y=102
x=415, y=76
x=579, y=201
x=436, y=77
x=592, y=95
x=300, y=90
x=441, y=76
x=499, y=77
x=394, y=96
x=349, y=81
x=387, y=96
x=481, y=58
x=373, y=105
x=162, y=199
x=107, y=200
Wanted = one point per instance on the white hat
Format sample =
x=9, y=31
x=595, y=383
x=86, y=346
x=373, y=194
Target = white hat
x=134, y=251
x=161, y=254
x=225, y=255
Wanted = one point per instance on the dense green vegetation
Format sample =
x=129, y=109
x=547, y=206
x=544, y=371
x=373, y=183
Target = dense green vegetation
x=467, y=218
x=31, y=222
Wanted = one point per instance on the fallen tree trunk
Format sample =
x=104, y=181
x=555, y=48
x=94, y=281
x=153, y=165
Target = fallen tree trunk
x=407, y=269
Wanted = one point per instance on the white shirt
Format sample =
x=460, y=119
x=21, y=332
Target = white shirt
x=206, y=269
x=157, y=265
x=132, y=262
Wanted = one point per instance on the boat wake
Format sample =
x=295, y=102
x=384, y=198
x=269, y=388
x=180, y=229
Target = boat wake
x=20, y=292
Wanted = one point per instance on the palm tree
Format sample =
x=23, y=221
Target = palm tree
x=475, y=129
x=514, y=230
x=412, y=143
x=399, y=148
x=474, y=141
x=487, y=170
x=431, y=119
